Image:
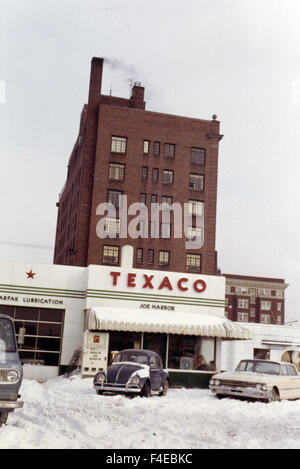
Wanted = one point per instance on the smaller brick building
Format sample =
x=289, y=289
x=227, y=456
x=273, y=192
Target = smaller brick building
x=255, y=299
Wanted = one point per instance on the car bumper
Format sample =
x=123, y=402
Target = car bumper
x=113, y=388
x=11, y=404
x=239, y=391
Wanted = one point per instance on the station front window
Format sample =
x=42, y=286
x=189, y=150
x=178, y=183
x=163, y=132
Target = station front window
x=42, y=329
x=191, y=352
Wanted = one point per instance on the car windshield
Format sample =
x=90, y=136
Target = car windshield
x=7, y=336
x=256, y=366
x=131, y=356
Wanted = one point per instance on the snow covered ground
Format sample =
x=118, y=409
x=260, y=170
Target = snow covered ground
x=67, y=413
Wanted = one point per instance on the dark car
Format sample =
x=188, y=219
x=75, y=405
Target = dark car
x=11, y=372
x=134, y=372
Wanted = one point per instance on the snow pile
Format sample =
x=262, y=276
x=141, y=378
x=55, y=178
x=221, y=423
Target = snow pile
x=67, y=413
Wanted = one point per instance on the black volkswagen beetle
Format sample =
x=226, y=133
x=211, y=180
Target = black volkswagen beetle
x=134, y=371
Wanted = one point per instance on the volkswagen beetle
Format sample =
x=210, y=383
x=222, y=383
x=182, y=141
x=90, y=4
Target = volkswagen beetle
x=134, y=371
x=11, y=373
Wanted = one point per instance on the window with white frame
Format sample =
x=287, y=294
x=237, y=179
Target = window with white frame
x=265, y=318
x=116, y=171
x=279, y=293
x=165, y=230
x=279, y=320
x=279, y=306
x=242, y=303
x=266, y=305
x=252, y=312
x=194, y=232
x=242, y=317
x=196, y=207
x=118, y=144
x=112, y=226
x=163, y=258
x=265, y=292
x=146, y=147
x=196, y=182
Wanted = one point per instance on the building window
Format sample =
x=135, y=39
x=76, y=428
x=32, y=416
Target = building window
x=193, y=262
x=163, y=258
x=194, y=232
x=143, y=198
x=198, y=155
x=265, y=305
x=264, y=292
x=139, y=255
x=279, y=320
x=196, y=182
x=153, y=198
x=153, y=233
x=169, y=150
x=113, y=197
x=112, y=227
x=279, y=306
x=110, y=255
x=252, y=312
x=154, y=175
x=43, y=332
x=242, y=317
x=118, y=144
x=146, y=147
x=144, y=173
x=156, y=148
x=265, y=319
x=167, y=201
x=243, y=303
x=116, y=171
x=241, y=290
x=165, y=230
x=150, y=257
x=196, y=207
x=279, y=294
x=191, y=352
x=168, y=176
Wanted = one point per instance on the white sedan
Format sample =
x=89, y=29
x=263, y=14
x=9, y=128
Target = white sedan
x=258, y=379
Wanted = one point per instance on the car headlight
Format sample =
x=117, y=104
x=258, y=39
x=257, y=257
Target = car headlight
x=264, y=387
x=135, y=379
x=12, y=376
x=217, y=382
x=258, y=387
x=100, y=379
x=212, y=382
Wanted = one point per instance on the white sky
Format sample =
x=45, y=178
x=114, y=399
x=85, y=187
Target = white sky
x=239, y=59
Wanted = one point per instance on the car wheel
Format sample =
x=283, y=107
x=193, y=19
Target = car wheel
x=146, y=391
x=3, y=418
x=220, y=396
x=165, y=388
x=100, y=393
x=275, y=396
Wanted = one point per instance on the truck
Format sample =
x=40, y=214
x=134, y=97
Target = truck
x=11, y=372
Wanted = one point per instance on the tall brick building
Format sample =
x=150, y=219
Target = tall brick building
x=150, y=157
x=255, y=299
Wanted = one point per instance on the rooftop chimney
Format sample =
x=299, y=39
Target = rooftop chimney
x=137, y=96
x=95, y=80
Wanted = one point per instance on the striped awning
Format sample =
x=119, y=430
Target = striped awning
x=117, y=319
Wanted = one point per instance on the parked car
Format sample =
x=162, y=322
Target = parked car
x=134, y=371
x=258, y=379
x=11, y=373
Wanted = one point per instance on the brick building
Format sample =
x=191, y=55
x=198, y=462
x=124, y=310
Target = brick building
x=150, y=157
x=255, y=299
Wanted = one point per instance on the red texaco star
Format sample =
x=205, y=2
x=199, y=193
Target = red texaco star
x=30, y=274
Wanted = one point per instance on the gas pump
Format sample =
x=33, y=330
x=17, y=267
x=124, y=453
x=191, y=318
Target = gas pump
x=94, y=353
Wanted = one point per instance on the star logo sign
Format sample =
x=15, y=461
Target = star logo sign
x=30, y=274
